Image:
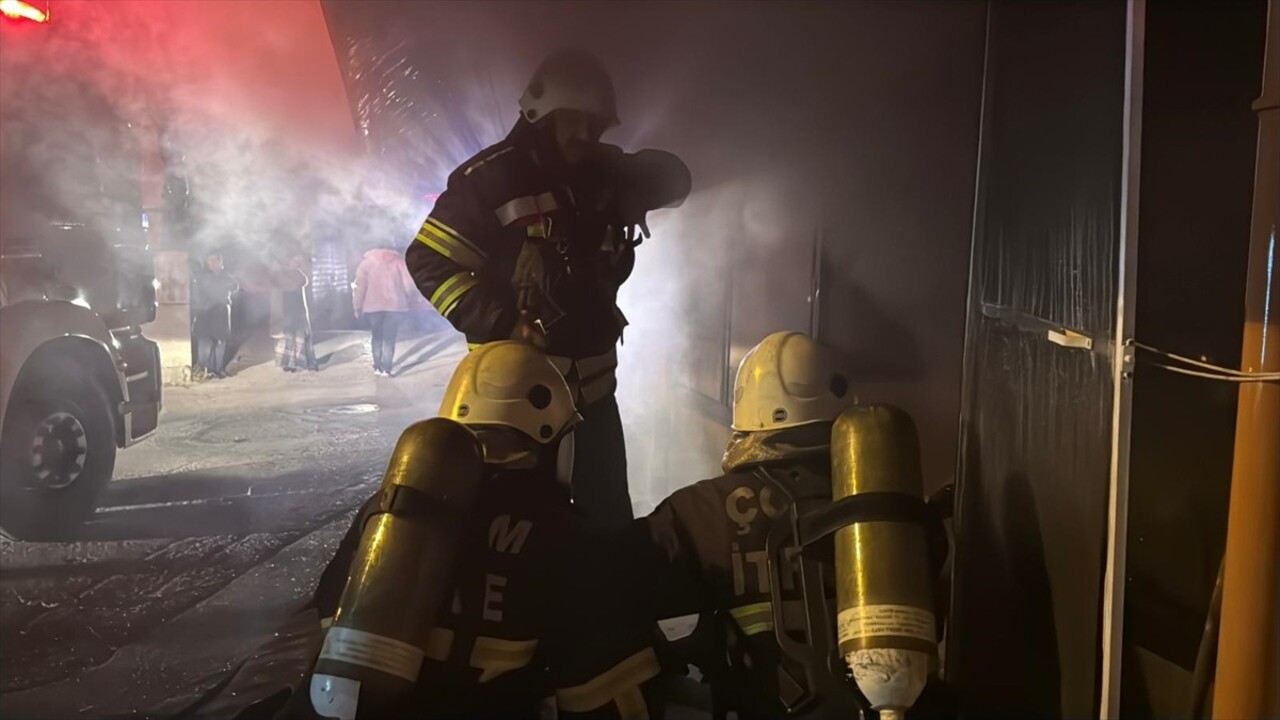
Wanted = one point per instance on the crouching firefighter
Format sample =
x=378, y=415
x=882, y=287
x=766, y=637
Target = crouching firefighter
x=532, y=239
x=469, y=588
x=741, y=598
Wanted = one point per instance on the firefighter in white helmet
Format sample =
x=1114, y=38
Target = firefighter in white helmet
x=704, y=547
x=533, y=613
x=531, y=241
x=707, y=541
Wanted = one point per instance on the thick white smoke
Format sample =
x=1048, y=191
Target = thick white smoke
x=839, y=118
x=242, y=100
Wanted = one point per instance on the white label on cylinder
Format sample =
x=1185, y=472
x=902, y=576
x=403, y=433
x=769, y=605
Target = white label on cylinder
x=335, y=697
x=357, y=647
x=868, y=621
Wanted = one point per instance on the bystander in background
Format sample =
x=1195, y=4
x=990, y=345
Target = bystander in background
x=384, y=293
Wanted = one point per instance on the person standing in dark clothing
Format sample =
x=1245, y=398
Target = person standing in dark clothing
x=295, y=349
x=211, y=290
x=531, y=241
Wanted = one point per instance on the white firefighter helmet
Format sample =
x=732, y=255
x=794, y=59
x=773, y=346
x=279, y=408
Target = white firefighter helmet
x=786, y=381
x=570, y=80
x=513, y=385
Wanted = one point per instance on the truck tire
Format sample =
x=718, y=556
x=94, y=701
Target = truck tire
x=57, y=453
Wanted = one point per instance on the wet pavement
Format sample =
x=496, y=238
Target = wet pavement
x=211, y=536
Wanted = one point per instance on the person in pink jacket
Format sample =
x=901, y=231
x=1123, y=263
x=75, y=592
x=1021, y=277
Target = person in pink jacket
x=384, y=292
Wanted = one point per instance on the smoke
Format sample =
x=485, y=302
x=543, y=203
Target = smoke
x=241, y=108
x=823, y=119
x=740, y=95
x=241, y=105
x=680, y=350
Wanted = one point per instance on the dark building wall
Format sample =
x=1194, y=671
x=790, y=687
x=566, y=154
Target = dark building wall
x=1036, y=416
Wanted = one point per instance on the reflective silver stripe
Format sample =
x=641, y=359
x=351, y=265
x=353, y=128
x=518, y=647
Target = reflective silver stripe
x=357, y=647
x=598, y=388
x=595, y=378
x=562, y=363
x=598, y=376
x=475, y=165
x=525, y=207
x=679, y=628
x=589, y=367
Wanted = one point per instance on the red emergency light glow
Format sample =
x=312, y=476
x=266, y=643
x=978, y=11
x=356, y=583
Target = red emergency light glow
x=19, y=10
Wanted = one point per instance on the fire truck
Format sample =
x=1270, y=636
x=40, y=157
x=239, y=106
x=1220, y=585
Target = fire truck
x=78, y=379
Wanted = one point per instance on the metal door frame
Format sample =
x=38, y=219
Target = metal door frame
x=1122, y=368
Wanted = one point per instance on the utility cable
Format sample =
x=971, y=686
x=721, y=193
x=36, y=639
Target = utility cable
x=1254, y=378
x=1209, y=371
x=1197, y=363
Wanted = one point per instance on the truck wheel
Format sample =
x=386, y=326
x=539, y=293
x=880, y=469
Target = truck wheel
x=59, y=450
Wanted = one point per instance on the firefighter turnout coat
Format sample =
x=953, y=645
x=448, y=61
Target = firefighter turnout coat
x=516, y=231
x=703, y=552
x=709, y=570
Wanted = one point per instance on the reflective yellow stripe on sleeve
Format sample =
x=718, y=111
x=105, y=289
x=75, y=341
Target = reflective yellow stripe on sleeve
x=619, y=684
x=451, y=244
x=449, y=294
x=758, y=617
x=494, y=656
x=755, y=618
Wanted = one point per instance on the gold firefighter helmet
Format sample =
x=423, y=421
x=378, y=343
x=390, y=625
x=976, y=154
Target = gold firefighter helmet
x=786, y=381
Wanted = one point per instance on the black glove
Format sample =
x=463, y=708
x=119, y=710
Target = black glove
x=630, y=185
x=653, y=179
x=649, y=180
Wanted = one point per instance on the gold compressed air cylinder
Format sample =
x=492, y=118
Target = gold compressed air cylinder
x=402, y=574
x=885, y=621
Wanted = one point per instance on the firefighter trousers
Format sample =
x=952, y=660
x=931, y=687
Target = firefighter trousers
x=600, y=492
